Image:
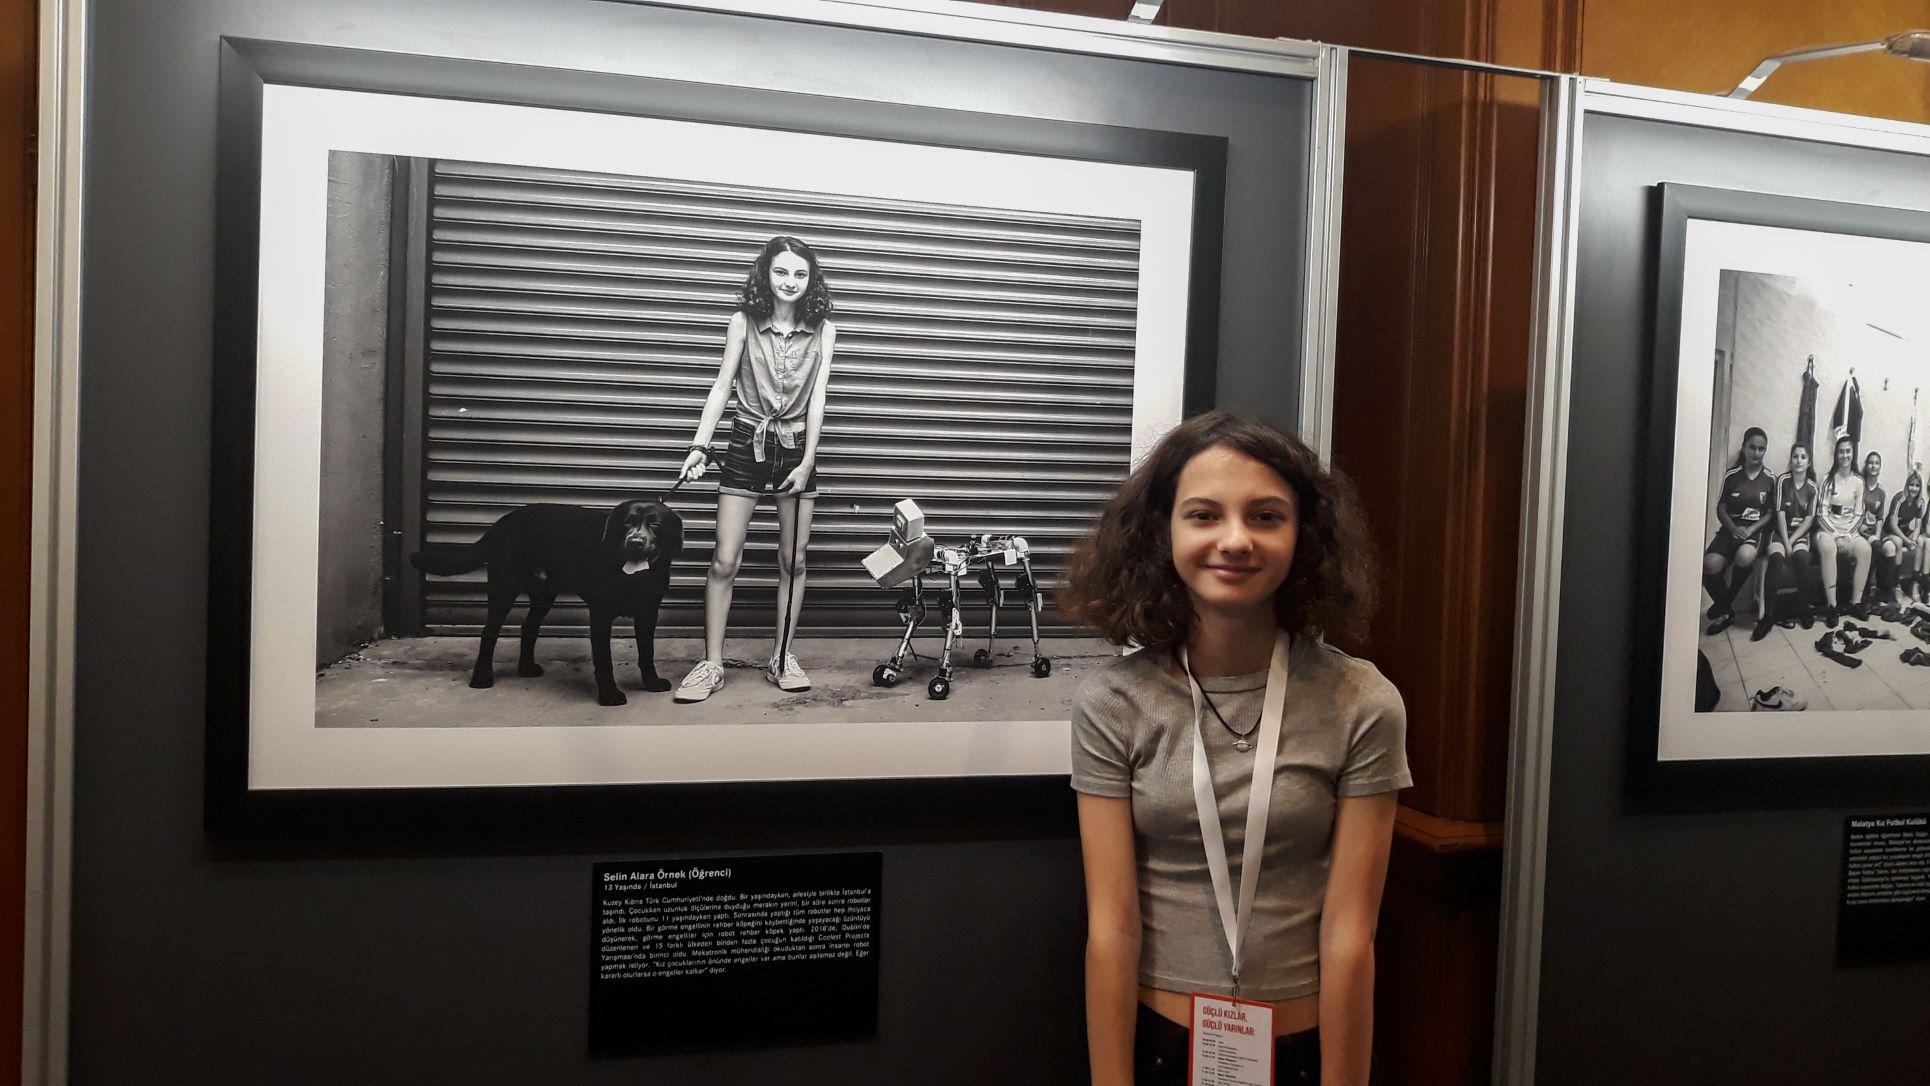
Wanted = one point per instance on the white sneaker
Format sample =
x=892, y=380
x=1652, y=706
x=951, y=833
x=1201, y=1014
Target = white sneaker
x=788, y=676
x=701, y=683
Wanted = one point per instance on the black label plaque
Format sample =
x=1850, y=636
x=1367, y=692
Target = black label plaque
x=1885, y=911
x=709, y=953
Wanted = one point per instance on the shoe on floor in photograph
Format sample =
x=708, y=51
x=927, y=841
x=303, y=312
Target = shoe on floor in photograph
x=786, y=673
x=1915, y=657
x=1831, y=618
x=701, y=683
x=1721, y=623
x=1809, y=620
x=1778, y=699
x=1762, y=629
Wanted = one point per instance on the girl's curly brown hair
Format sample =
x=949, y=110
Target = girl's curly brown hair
x=755, y=297
x=1121, y=580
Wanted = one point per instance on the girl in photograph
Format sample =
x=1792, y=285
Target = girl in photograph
x=1902, y=536
x=1746, y=500
x=1227, y=555
x=1837, y=528
x=1789, y=548
x=1871, y=529
x=777, y=359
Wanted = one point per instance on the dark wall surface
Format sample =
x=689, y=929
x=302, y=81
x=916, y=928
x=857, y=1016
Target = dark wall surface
x=1686, y=947
x=196, y=961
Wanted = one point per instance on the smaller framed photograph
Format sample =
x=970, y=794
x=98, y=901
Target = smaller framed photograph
x=1784, y=622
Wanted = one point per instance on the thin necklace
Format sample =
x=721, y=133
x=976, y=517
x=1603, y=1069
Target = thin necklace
x=1239, y=738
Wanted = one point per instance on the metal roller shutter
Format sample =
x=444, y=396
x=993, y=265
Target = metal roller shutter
x=575, y=321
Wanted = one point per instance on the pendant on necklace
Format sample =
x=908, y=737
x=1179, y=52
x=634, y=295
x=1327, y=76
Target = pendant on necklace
x=1242, y=745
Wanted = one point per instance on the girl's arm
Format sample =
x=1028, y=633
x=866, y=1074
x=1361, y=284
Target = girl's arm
x=1363, y=836
x=1890, y=526
x=1781, y=532
x=719, y=390
x=1112, y=936
x=814, y=415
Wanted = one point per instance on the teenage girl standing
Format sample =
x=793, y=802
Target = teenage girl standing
x=1226, y=555
x=777, y=357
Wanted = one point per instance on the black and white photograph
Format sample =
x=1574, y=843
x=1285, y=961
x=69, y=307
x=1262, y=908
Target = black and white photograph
x=1798, y=620
x=598, y=449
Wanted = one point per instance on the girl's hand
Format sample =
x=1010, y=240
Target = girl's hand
x=798, y=479
x=695, y=462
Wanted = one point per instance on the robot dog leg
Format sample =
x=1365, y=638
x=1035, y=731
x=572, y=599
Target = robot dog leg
x=940, y=686
x=911, y=611
x=988, y=581
x=1034, y=603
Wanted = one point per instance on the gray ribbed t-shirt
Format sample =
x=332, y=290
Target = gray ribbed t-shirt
x=1344, y=734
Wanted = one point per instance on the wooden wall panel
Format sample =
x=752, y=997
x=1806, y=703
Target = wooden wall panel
x=18, y=32
x=1436, y=280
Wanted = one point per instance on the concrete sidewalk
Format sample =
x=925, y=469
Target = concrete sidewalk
x=424, y=683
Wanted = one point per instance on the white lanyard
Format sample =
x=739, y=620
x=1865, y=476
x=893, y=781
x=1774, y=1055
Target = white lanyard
x=1259, y=798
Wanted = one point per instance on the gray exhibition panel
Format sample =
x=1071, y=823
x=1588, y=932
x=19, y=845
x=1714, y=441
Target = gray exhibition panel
x=1685, y=946
x=199, y=961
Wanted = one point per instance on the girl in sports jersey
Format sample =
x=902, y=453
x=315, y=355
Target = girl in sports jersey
x=777, y=360
x=1836, y=528
x=1743, y=506
x=1918, y=590
x=1789, y=548
x=1902, y=536
x=1882, y=563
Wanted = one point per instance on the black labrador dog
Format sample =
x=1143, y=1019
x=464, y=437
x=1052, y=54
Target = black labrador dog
x=617, y=562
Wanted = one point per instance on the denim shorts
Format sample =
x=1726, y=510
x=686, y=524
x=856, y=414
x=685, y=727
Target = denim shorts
x=743, y=473
x=1161, y=1048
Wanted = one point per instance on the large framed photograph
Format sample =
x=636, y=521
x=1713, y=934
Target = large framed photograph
x=1785, y=557
x=596, y=430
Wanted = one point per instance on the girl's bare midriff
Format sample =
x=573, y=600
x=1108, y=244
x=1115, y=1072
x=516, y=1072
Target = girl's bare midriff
x=1289, y=1015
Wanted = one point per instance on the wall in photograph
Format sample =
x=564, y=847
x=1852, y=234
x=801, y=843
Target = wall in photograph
x=1706, y=934
x=199, y=961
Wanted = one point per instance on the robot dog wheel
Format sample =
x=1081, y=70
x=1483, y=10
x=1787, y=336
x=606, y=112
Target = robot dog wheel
x=939, y=689
x=1041, y=666
x=884, y=675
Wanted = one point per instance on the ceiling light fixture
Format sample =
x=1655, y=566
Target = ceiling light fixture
x=1911, y=45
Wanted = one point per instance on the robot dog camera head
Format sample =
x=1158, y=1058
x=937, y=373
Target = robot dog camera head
x=907, y=551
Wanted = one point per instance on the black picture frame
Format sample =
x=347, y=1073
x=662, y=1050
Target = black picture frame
x=234, y=810
x=1743, y=782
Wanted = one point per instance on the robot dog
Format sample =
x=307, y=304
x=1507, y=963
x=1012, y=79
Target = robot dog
x=910, y=556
